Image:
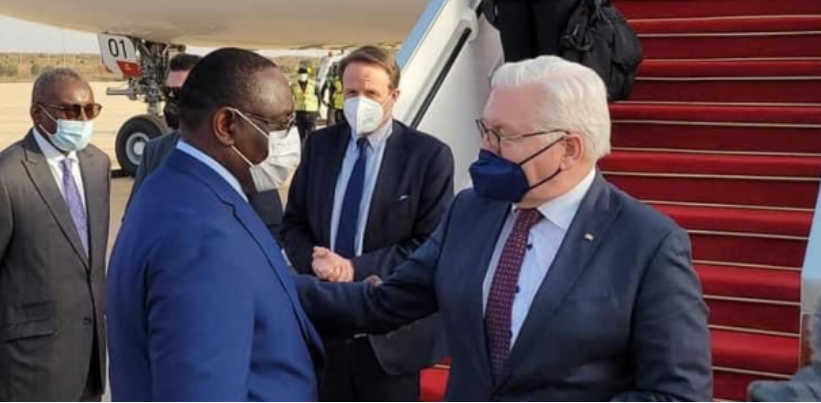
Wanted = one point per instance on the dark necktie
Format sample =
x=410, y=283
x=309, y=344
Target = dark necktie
x=503, y=289
x=349, y=218
x=75, y=203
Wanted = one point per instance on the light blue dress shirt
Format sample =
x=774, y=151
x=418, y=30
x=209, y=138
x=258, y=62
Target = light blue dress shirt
x=376, y=151
x=211, y=163
x=544, y=241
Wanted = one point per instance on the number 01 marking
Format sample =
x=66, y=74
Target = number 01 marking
x=116, y=47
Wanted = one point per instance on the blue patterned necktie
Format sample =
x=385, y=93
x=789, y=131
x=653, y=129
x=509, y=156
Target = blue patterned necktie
x=75, y=203
x=349, y=218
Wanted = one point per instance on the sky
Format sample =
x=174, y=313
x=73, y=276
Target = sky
x=18, y=36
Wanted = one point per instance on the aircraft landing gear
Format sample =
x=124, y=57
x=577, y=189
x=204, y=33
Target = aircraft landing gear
x=145, y=65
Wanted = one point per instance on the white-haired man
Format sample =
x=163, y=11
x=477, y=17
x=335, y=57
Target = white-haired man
x=552, y=284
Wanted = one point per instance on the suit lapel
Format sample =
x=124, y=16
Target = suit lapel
x=490, y=230
x=40, y=173
x=595, y=217
x=387, y=184
x=246, y=217
x=329, y=174
x=95, y=180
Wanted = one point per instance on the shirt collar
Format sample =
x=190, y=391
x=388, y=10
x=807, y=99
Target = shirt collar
x=213, y=164
x=378, y=137
x=562, y=210
x=52, y=154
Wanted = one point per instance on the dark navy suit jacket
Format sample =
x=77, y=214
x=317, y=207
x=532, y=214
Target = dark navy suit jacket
x=202, y=304
x=620, y=315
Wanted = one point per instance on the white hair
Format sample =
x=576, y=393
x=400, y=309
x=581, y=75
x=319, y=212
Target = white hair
x=575, y=99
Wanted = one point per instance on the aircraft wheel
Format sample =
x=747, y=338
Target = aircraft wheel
x=132, y=138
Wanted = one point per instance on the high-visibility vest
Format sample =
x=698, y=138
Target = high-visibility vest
x=305, y=101
x=339, y=95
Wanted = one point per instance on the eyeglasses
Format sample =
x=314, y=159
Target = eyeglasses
x=494, y=138
x=75, y=112
x=281, y=127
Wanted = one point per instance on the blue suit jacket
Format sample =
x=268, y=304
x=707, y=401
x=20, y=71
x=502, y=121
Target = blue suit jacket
x=618, y=317
x=202, y=304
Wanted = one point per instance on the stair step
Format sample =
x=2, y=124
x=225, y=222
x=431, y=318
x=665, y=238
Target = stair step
x=791, y=82
x=742, y=282
x=733, y=386
x=714, y=8
x=717, y=128
x=745, y=221
x=755, y=352
x=755, y=315
x=744, y=236
x=743, y=37
x=713, y=164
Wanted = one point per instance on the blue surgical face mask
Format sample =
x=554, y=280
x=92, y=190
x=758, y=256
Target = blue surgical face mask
x=499, y=179
x=71, y=135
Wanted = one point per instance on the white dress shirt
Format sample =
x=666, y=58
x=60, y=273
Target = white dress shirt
x=544, y=241
x=55, y=159
x=214, y=165
x=376, y=151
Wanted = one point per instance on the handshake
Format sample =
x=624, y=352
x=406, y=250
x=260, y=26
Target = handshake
x=329, y=266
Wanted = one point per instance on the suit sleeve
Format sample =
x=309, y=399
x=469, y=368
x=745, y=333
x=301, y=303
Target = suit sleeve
x=6, y=220
x=297, y=237
x=409, y=294
x=200, y=318
x=436, y=197
x=670, y=345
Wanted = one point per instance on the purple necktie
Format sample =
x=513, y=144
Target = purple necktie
x=75, y=203
x=503, y=289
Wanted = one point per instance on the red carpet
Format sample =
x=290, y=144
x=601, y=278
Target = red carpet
x=723, y=134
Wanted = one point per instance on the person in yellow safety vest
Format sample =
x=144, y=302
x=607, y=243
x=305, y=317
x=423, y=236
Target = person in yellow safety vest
x=306, y=104
x=338, y=96
x=332, y=96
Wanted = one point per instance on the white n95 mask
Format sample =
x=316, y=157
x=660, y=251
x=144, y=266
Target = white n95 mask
x=363, y=114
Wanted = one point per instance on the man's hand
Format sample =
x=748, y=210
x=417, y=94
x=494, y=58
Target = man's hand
x=329, y=266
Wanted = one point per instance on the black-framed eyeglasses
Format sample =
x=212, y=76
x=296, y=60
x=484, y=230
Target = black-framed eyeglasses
x=494, y=138
x=75, y=112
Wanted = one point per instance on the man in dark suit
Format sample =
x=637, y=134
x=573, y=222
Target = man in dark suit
x=530, y=28
x=282, y=160
x=202, y=305
x=54, y=213
x=366, y=195
x=551, y=283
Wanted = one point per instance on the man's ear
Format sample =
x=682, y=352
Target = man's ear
x=574, y=148
x=224, y=124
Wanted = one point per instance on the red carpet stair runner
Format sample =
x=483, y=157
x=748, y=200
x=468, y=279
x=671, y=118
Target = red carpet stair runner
x=723, y=134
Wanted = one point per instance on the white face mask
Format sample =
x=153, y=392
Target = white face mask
x=363, y=114
x=71, y=135
x=303, y=77
x=283, y=157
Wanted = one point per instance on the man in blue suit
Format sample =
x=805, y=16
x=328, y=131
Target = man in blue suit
x=551, y=283
x=202, y=304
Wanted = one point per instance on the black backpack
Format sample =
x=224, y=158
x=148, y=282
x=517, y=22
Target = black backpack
x=599, y=37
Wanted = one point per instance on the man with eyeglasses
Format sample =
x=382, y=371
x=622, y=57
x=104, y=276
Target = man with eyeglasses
x=54, y=214
x=201, y=301
x=282, y=159
x=552, y=284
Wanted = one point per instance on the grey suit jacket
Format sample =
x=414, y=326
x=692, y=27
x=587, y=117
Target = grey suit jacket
x=51, y=294
x=268, y=205
x=620, y=315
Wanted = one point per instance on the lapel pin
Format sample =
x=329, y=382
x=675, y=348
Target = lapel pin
x=590, y=237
